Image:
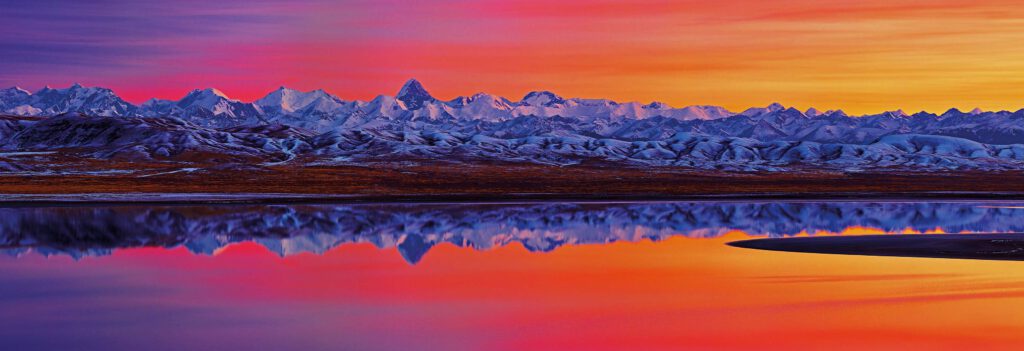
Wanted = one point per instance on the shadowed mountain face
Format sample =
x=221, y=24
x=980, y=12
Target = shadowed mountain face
x=415, y=229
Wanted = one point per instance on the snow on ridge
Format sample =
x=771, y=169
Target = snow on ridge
x=537, y=113
x=153, y=138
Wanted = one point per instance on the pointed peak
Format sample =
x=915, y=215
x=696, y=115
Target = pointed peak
x=412, y=87
x=812, y=112
x=413, y=95
x=203, y=97
x=952, y=111
x=775, y=106
x=977, y=111
x=285, y=89
x=412, y=82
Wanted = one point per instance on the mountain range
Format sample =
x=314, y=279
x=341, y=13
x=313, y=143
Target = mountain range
x=316, y=127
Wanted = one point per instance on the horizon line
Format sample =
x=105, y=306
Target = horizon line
x=821, y=111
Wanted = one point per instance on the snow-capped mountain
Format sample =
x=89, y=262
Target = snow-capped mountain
x=74, y=99
x=14, y=97
x=207, y=107
x=285, y=101
x=413, y=96
x=541, y=127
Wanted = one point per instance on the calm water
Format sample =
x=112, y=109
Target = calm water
x=543, y=276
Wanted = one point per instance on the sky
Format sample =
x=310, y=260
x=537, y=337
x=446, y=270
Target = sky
x=863, y=56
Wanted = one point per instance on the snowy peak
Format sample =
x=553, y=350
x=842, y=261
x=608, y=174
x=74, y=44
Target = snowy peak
x=413, y=95
x=285, y=101
x=14, y=90
x=541, y=98
x=209, y=108
x=537, y=113
x=15, y=100
x=76, y=98
x=703, y=113
x=14, y=96
x=285, y=98
x=206, y=98
x=754, y=111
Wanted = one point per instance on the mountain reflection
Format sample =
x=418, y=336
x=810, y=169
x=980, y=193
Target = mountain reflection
x=414, y=228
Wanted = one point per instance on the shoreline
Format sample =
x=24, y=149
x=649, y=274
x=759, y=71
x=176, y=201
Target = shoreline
x=450, y=182
x=140, y=198
x=974, y=246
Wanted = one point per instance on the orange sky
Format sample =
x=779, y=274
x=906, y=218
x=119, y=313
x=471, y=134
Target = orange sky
x=861, y=56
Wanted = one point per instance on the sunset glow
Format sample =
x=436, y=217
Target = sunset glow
x=860, y=56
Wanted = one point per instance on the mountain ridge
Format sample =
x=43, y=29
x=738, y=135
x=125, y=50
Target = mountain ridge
x=315, y=127
x=417, y=95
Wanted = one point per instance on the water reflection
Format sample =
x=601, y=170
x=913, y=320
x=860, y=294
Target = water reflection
x=414, y=229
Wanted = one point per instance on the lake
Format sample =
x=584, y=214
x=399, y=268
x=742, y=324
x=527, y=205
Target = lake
x=498, y=276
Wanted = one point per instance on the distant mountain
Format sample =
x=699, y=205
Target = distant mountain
x=74, y=99
x=14, y=97
x=413, y=96
x=285, y=101
x=207, y=107
x=542, y=127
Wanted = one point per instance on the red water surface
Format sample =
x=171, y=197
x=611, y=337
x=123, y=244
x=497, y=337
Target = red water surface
x=681, y=293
